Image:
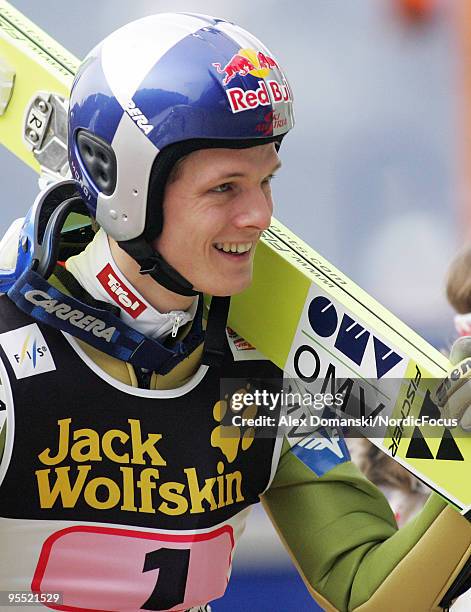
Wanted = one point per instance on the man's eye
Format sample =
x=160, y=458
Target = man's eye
x=268, y=179
x=222, y=188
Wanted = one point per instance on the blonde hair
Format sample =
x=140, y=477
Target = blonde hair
x=458, y=285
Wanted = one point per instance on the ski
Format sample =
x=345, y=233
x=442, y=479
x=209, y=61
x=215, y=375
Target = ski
x=311, y=320
x=301, y=312
x=36, y=74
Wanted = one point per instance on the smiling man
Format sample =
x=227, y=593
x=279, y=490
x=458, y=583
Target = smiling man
x=217, y=203
x=118, y=489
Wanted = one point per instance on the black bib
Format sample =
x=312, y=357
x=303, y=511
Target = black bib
x=90, y=451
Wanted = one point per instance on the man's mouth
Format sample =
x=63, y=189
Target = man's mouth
x=234, y=248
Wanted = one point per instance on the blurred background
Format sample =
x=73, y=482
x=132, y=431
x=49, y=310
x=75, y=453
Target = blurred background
x=372, y=178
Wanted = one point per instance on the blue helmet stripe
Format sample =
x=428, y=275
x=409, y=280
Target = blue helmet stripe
x=184, y=109
x=100, y=113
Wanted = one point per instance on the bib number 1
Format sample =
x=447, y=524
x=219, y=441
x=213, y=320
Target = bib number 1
x=108, y=569
x=173, y=572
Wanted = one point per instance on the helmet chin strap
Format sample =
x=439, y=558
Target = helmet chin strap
x=153, y=264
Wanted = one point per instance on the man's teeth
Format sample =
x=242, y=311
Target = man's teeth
x=233, y=247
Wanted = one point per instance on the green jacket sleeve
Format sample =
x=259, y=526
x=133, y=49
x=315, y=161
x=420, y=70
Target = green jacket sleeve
x=343, y=538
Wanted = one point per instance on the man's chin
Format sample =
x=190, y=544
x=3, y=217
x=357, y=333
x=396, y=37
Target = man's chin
x=229, y=288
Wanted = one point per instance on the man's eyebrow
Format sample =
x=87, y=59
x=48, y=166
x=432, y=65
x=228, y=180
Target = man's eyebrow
x=230, y=174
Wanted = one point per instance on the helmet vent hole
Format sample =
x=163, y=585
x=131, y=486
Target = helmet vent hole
x=99, y=160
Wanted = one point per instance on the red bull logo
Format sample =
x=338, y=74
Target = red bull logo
x=238, y=64
x=246, y=61
x=265, y=61
x=269, y=91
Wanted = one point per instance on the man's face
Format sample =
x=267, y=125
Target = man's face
x=220, y=201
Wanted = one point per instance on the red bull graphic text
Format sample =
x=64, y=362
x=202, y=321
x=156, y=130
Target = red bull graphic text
x=269, y=91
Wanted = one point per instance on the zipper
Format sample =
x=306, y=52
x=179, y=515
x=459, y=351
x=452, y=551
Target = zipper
x=176, y=324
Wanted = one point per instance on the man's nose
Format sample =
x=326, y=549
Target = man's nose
x=254, y=210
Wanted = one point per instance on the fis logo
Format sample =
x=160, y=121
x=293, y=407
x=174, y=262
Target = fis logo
x=30, y=350
x=27, y=351
x=121, y=294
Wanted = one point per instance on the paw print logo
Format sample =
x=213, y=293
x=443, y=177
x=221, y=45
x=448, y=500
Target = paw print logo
x=230, y=438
